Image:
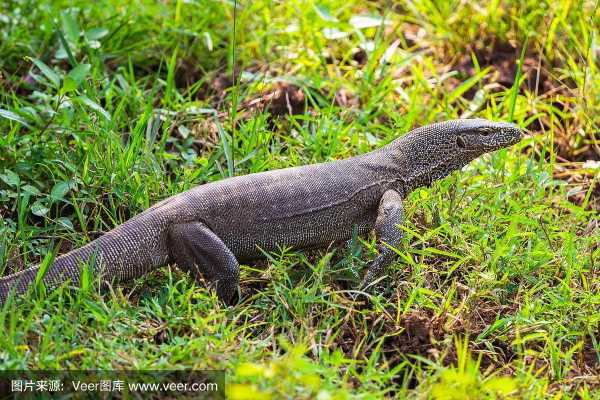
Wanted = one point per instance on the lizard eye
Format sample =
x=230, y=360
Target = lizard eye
x=485, y=131
x=460, y=142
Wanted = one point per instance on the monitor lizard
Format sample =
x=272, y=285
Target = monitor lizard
x=211, y=228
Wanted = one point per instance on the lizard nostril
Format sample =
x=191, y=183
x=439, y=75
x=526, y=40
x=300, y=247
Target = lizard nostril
x=460, y=142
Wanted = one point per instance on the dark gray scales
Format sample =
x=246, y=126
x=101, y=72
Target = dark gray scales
x=208, y=230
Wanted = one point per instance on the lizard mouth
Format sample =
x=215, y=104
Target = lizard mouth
x=504, y=135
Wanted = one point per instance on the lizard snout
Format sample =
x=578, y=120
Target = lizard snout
x=502, y=135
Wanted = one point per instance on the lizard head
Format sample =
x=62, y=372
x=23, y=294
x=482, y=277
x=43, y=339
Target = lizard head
x=433, y=151
x=478, y=136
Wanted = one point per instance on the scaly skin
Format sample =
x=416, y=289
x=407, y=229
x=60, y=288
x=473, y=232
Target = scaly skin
x=208, y=229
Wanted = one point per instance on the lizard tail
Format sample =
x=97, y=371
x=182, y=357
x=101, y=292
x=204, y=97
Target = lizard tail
x=124, y=253
x=63, y=269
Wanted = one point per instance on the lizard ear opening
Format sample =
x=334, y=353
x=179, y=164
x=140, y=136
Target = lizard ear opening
x=460, y=142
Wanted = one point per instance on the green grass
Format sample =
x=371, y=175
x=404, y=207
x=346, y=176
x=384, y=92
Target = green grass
x=107, y=108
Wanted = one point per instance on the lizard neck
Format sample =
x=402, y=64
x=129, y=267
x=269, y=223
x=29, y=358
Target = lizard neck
x=406, y=167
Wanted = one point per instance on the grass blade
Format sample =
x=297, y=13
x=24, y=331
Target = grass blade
x=517, y=82
x=42, y=270
x=13, y=117
x=48, y=72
